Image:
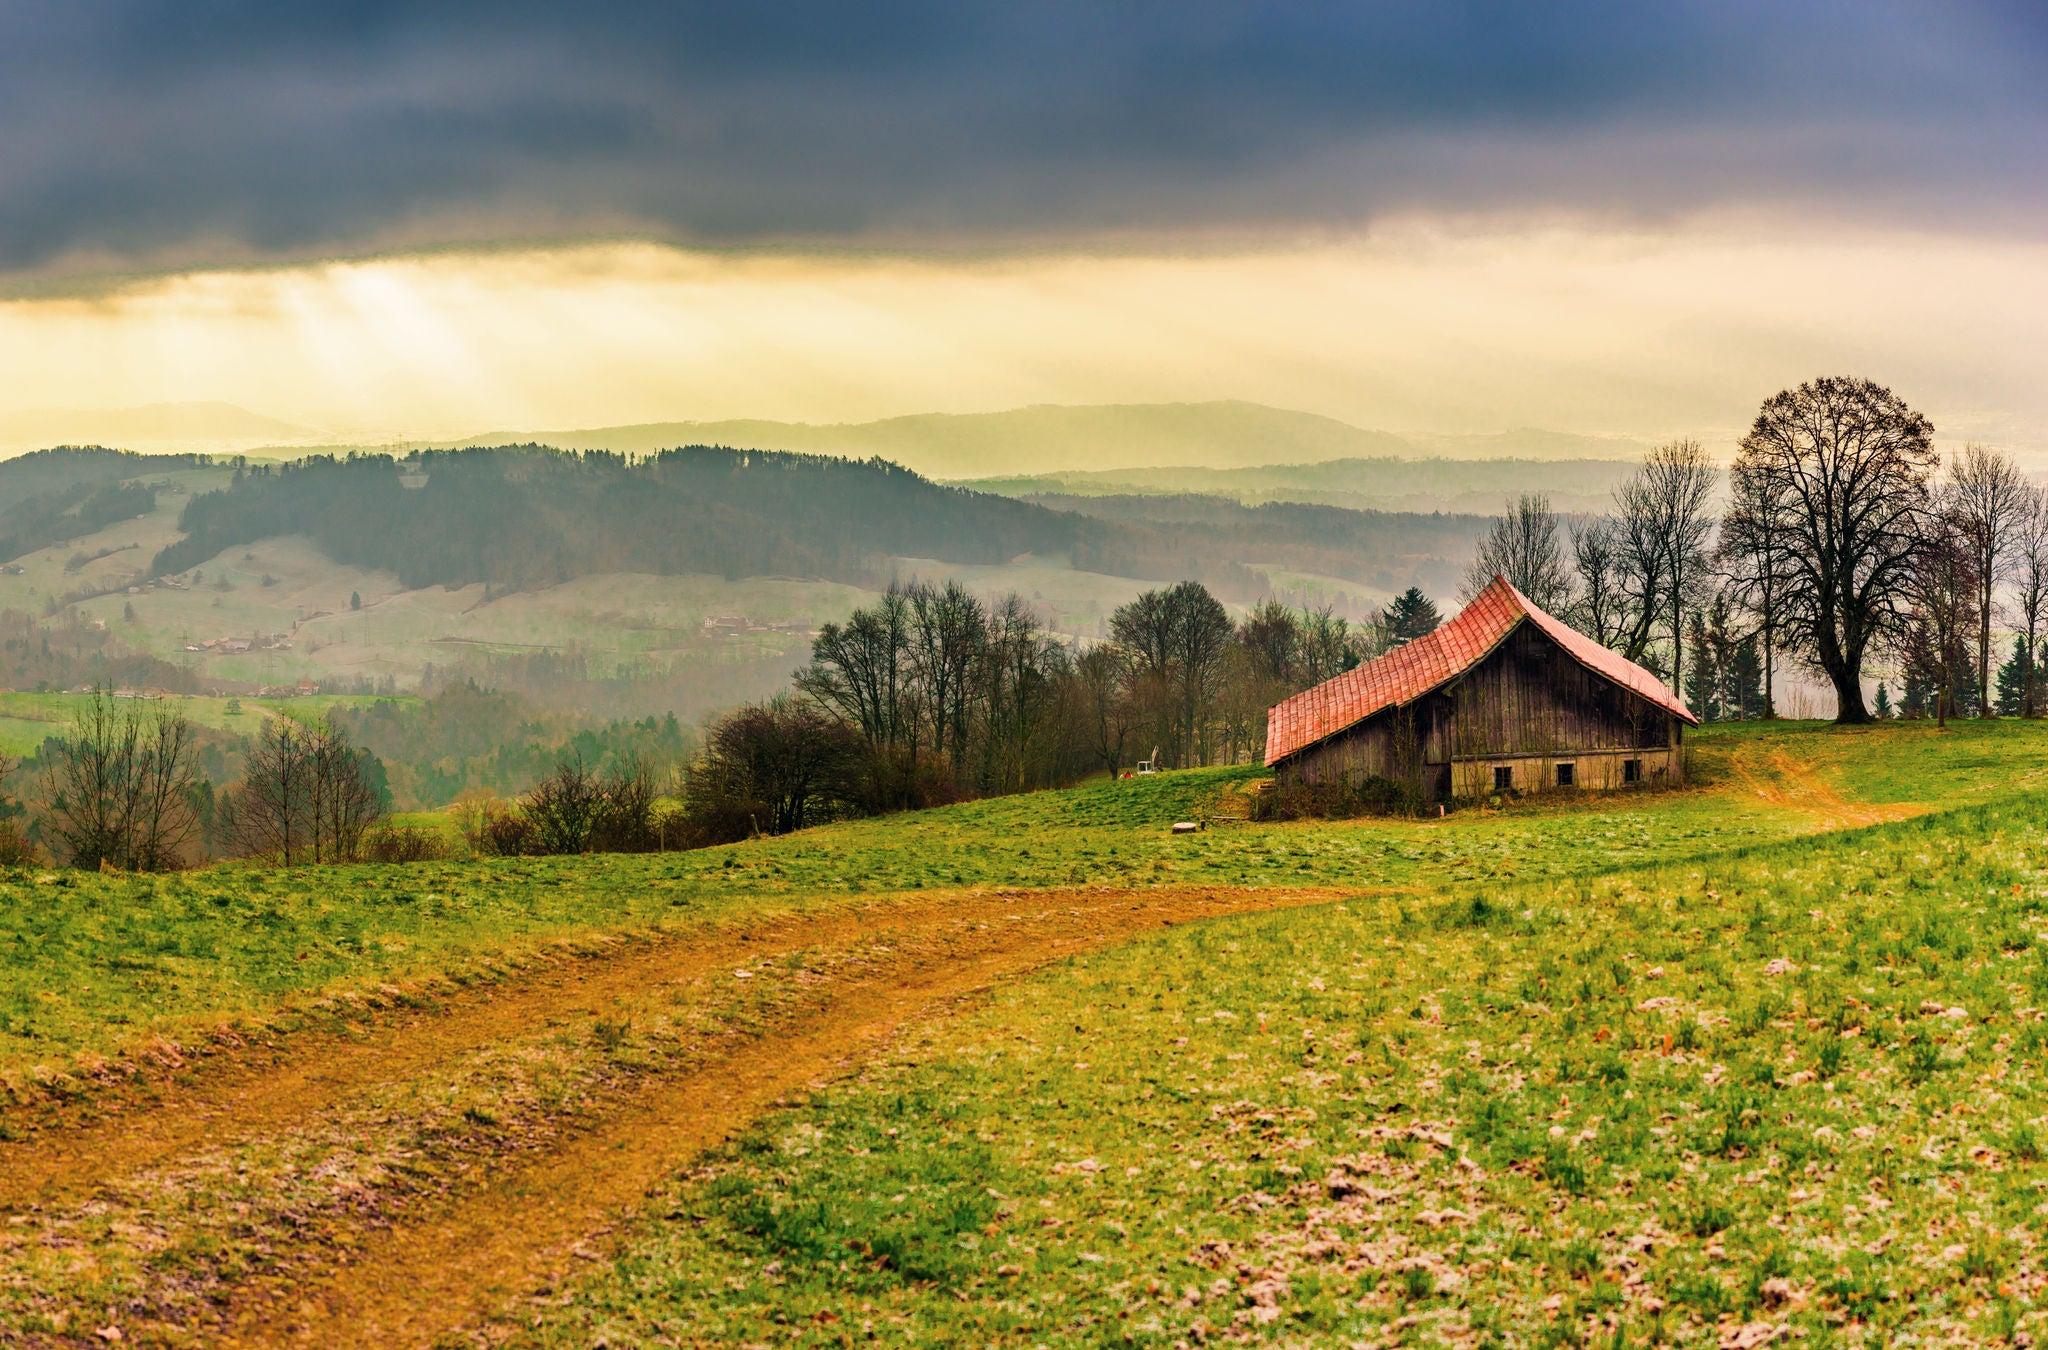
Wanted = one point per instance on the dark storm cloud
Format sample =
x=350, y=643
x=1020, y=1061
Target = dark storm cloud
x=172, y=132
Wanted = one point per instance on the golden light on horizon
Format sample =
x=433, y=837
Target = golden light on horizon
x=1411, y=328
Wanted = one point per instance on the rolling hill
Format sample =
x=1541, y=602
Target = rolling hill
x=1046, y=438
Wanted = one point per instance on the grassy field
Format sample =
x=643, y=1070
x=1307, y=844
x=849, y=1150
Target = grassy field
x=27, y=720
x=89, y=963
x=1782, y=1089
x=1798, y=1086
x=1754, y=1060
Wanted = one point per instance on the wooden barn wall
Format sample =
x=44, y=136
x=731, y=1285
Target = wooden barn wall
x=1528, y=697
x=1528, y=707
x=1372, y=749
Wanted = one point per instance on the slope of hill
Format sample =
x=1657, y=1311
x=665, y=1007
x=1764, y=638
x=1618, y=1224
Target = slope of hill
x=1413, y=485
x=681, y=583
x=515, y=519
x=1048, y=438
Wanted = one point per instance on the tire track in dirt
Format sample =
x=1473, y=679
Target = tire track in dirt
x=236, y=1096
x=472, y=1260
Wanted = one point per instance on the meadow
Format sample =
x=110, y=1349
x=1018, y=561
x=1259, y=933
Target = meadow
x=92, y=963
x=1750, y=1061
x=1788, y=1089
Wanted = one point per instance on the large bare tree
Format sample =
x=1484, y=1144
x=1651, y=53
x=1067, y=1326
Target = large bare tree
x=1526, y=547
x=1855, y=462
x=1988, y=498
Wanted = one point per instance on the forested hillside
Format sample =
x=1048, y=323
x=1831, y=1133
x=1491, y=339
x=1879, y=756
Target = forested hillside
x=518, y=518
x=56, y=495
x=521, y=517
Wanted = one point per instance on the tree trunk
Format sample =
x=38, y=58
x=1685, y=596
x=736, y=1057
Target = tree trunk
x=1770, y=665
x=1849, y=709
x=1984, y=708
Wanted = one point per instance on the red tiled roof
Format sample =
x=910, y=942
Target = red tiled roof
x=1408, y=672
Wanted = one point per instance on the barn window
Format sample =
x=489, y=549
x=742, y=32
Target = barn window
x=1503, y=778
x=1564, y=775
x=1631, y=771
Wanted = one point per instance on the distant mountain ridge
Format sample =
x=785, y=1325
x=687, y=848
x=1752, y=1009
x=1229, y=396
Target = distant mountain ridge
x=219, y=426
x=1056, y=438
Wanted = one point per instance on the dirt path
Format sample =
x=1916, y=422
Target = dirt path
x=469, y=1259
x=237, y=1096
x=1791, y=785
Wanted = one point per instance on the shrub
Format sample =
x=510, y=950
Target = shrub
x=773, y=768
x=402, y=844
x=15, y=849
x=506, y=834
x=1374, y=796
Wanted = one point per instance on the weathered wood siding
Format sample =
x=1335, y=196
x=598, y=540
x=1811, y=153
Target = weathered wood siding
x=1528, y=707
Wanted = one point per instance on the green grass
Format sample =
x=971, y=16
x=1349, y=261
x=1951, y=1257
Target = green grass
x=91, y=963
x=1793, y=1083
x=27, y=720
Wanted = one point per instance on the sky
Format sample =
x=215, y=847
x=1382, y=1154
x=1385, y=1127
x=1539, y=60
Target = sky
x=379, y=220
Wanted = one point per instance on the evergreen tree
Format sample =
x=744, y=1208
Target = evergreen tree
x=1411, y=615
x=1742, y=681
x=2013, y=681
x=1703, y=676
x=1883, y=710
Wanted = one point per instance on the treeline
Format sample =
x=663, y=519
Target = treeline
x=70, y=653
x=1842, y=544
x=1388, y=551
x=518, y=518
x=524, y=517
x=467, y=739
x=933, y=694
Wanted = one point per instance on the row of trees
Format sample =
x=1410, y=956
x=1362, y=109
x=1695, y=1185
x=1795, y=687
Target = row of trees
x=1840, y=543
x=933, y=694
x=122, y=790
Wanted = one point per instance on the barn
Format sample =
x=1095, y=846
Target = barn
x=1504, y=696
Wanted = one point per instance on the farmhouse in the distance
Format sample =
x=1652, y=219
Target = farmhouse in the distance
x=1502, y=697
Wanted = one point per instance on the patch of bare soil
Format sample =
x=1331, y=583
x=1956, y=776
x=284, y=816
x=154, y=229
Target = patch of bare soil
x=1791, y=785
x=468, y=1259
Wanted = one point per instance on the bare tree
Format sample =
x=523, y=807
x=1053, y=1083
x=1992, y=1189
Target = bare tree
x=304, y=796
x=1943, y=587
x=947, y=628
x=1668, y=498
x=1201, y=637
x=1855, y=463
x=120, y=787
x=1524, y=547
x=771, y=768
x=1988, y=498
x=1752, y=558
x=1177, y=638
x=1328, y=646
x=1600, y=606
x=1108, y=711
x=861, y=671
x=2030, y=588
x=563, y=808
x=1640, y=555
